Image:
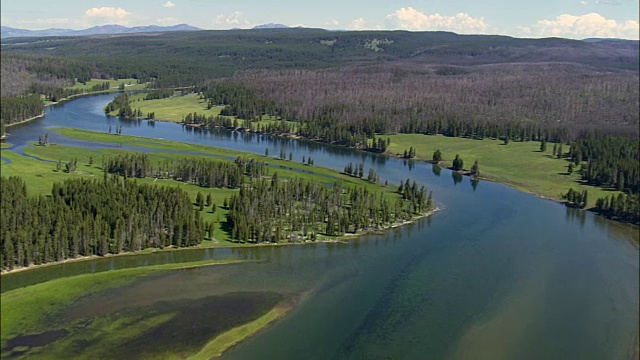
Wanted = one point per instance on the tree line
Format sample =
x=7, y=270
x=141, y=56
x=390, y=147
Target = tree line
x=85, y=217
x=201, y=172
x=610, y=161
x=297, y=209
x=498, y=102
x=623, y=207
x=16, y=109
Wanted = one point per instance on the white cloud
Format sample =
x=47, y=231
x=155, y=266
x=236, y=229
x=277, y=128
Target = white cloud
x=168, y=4
x=584, y=3
x=608, y=2
x=109, y=15
x=583, y=26
x=235, y=20
x=412, y=19
x=332, y=23
x=357, y=24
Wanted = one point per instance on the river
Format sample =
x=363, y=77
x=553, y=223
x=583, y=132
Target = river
x=497, y=274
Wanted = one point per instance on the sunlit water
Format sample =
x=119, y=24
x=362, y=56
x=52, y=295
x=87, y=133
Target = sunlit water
x=496, y=274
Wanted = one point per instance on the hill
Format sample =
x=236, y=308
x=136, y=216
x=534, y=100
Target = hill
x=9, y=32
x=271, y=26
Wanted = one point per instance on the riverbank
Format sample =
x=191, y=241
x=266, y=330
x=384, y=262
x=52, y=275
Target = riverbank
x=112, y=89
x=40, y=175
x=211, y=245
x=520, y=165
x=6, y=135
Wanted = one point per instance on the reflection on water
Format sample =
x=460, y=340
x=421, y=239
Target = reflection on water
x=436, y=169
x=576, y=216
x=474, y=182
x=457, y=177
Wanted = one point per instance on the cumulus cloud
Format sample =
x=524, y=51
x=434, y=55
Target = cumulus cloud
x=412, y=19
x=583, y=26
x=235, y=19
x=357, y=24
x=168, y=4
x=109, y=13
x=332, y=22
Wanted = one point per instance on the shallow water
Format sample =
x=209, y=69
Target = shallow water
x=497, y=274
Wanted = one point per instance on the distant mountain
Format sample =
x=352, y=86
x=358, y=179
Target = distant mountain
x=595, y=40
x=8, y=32
x=271, y=26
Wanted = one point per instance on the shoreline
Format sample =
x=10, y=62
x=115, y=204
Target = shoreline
x=300, y=137
x=6, y=135
x=463, y=172
x=344, y=238
x=61, y=101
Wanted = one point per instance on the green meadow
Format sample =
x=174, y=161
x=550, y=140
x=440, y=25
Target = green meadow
x=175, y=108
x=40, y=175
x=517, y=164
x=129, y=84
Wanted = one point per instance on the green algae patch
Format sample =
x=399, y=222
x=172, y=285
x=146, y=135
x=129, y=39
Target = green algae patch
x=223, y=342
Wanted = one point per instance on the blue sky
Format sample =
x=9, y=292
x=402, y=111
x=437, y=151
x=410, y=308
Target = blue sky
x=541, y=18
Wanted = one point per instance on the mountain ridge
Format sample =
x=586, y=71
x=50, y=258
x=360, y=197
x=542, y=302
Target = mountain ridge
x=271, y=26
x=9, y=32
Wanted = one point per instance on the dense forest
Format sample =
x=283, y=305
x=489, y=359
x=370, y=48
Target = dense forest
x=352, y=88
x=84, y=217
x=202, y=172
x=16, y=109
x=91, y=217
x=24, y=73
x=275, y=210
x=521, y=102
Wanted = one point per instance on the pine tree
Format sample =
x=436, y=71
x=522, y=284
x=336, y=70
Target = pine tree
x=475, y=169
x=211, y=230
x=437, y=156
